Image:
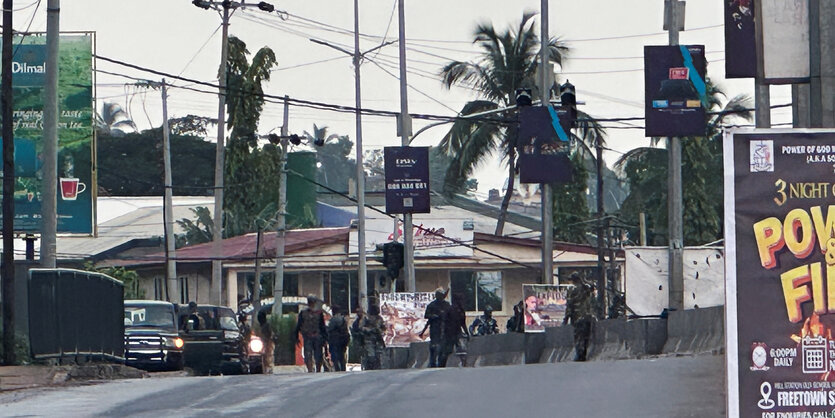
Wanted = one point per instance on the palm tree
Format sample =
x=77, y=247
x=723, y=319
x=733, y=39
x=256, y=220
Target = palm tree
x=508, y=62
x=646, y=171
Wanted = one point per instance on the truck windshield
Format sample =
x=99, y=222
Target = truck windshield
x=157, y=316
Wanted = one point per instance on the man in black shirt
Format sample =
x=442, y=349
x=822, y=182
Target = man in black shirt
x=436, y=313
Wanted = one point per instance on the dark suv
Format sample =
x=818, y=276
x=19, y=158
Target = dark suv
x=214, y=342
x=152, y=341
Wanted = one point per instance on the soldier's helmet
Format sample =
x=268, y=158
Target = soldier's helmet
x=488, y=310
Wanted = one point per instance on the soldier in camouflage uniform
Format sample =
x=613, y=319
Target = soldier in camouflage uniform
x=579, y=310
x=372, y=328
x=485, y=324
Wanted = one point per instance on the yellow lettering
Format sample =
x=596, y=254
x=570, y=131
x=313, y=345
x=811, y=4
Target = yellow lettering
x=798, y=233
x=769, y=235
x=795, y=291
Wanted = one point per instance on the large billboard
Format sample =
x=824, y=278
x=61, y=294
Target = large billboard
x=780, y=272
x=76, y=181
x=407, y=179
x=544, y=306
x=674, y=90
x=785, y=40
x=543, y=145
x=403, y=315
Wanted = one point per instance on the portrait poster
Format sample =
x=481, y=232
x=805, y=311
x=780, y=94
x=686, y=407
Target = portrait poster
x=403, y=315
x=544, y=305
x=780, y=272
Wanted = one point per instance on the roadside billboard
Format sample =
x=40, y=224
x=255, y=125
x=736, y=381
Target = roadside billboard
x=785, y=40
x=674, y=90
x=543, y=145
x=740, y=40
x=780, y=272
x=544, y=306
x=76, y=180
x=403, y=315
x=407, y=179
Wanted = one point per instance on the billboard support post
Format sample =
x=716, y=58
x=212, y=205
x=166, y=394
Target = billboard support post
x=49, y=207
x=8, y=190
x=674, y=204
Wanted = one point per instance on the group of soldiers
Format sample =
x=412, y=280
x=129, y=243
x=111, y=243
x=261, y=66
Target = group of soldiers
x=366, y=331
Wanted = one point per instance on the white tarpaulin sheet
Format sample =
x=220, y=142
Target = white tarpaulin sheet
x=646, y=278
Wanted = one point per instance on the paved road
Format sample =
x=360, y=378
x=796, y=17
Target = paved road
x=663, y=387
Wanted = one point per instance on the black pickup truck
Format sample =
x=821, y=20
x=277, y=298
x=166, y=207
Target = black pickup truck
x=152, y=341
x=214, y=341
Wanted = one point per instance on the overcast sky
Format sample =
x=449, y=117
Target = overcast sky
x=173, y=36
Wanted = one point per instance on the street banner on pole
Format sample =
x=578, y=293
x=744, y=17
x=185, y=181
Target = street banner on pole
x=407, y=179
x=780, y=271
x=403, y=315
x=740, y=39
x=785, y=41
x=76, y=183
x=674, y=90
x=544, y=306
x=543, y=145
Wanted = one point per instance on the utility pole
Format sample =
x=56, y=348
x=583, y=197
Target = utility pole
x=217, y=231
x=547, y=237
x=762, y=98
x=362, y=272
x=405, y=136
x=674, y=200
x=601, y=231
x=168, y=206
x=281, y=223
x=8, y=188
x=49, y=204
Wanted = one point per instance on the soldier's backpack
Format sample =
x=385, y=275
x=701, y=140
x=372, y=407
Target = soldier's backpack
x=310, y=322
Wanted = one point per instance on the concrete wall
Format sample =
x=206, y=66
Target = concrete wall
x=685, y=332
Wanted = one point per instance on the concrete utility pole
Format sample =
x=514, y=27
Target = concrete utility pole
x=405, y=136
x=168, y=206
x=49, y=204
x=281, y=222
x=547, y=237
x=674, y=202
x=362, y=272
x=217, y=231
x=8, y=189
x=812, y=104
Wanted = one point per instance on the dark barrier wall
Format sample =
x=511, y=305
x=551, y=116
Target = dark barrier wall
x=75, y=314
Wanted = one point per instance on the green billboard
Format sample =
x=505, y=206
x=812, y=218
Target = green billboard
x=76, y=181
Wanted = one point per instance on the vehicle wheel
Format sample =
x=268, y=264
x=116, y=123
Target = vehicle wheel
x=257, y=369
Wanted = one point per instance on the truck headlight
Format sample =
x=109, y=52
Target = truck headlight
x=256, y=345
x=175, y=342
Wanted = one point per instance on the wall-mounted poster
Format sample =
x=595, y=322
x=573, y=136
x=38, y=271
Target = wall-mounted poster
x=780, y=272
x=674, y=90
x=403, y=315
x=544, y=306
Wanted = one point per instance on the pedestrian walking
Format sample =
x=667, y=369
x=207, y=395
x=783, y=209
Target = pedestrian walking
x=311, y=325
x=579, y=311
x=436, y=314
x=338, y=338
x=372, y=327
x=455, y=335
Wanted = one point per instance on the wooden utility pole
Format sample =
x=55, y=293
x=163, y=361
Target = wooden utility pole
x=281, y=223
x=217, y=231
x=49, y=204
x=405, y=137
x=547, y=237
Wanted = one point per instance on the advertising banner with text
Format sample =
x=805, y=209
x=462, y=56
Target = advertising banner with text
x=674, y=90
x=75, y=181
x=780, y=272
x=407, y=179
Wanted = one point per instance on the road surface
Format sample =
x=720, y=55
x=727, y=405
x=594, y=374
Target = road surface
x=661, y=387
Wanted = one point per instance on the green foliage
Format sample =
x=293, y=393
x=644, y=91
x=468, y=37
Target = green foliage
x=22, y=353
x=197, y=231
x=333, y=158
x=251, y=171
x=283, y=327
x=701, y=173
x=132, y=164
x=570, y=205
x=129, y=278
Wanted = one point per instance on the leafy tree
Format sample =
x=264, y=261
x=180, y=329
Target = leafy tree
x=132, y=164
x=508, y=62
x=129, y=278
x=199, y=230
x=252, y=170
x=701, y=172
x=569, y=203
x=333, y=157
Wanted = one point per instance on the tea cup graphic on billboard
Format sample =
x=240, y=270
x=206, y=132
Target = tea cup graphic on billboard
x=71, y=188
